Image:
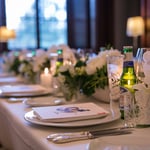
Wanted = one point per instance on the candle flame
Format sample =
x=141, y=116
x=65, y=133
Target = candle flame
x=46, y=71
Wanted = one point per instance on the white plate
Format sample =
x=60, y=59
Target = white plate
x=44, y=101
x=10, y=80
x=23, y=90
x=2, y=74
x=32, y=118
x=126, y=142
x=46, y=92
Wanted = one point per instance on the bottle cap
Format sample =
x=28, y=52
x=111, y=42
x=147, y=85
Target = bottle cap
x=59, y=51
x=127, y=49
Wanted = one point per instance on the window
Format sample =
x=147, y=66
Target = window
x=38, y=23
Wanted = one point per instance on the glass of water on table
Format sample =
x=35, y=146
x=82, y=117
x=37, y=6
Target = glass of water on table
x=114, y=71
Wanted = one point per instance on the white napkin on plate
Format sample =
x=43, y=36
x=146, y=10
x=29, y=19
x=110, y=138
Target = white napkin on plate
x=70, y=112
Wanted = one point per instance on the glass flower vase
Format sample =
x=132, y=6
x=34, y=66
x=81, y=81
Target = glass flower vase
x=73, y=95
x=31, y=78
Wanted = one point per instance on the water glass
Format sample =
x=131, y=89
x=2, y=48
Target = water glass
x=114, y=69
x=142, y=62
x=127, y=106
x=143, y=104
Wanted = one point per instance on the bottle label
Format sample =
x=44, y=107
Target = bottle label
x=60, y=60
x=128, y=64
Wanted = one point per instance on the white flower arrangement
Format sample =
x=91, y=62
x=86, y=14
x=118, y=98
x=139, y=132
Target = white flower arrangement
x=86, y=76
x=29, y=63
x=26, y=63
x=100, y=60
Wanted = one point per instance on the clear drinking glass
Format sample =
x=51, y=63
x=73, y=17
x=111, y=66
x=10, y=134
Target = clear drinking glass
x=142, y=93
x=114, y=69
x=120, y=98
x=142, y=63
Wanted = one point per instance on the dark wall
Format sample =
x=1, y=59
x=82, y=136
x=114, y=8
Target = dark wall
x=145, y=11
x=96, y=23
x=3, y=46
x=122, y=10
x=78, y=23
x=101, y=19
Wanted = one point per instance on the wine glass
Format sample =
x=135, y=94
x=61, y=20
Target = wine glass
x=142, y=63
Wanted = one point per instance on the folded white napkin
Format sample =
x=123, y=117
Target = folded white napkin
x=70, y=112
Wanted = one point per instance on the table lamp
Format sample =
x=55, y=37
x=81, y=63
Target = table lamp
x=6, y=34
x=135, y=28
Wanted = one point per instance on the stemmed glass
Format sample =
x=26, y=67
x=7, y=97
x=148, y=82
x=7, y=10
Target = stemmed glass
x=139, y=70
x=142, y=63
x=142, y=95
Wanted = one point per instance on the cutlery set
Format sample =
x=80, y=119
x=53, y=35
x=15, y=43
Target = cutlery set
x=76, y=136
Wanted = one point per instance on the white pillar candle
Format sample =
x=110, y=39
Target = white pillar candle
x=46, y=78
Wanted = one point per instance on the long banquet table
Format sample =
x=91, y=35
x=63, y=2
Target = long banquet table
x=18, y=134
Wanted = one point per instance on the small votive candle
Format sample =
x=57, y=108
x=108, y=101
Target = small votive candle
x=46, y=78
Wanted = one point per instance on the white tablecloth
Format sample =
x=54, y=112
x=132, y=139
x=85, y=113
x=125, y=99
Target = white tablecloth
x=18, y=134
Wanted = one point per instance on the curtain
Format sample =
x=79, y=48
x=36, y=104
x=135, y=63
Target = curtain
x=3, y=46
x=78, y=23
x=89, y=23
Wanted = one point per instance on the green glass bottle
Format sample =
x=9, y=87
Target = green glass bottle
x=128, y=78
x=59, y=61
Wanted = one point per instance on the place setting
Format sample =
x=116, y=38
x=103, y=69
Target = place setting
x=23, y=90
x=12, y=80
x=67, y=115
x=49, y=100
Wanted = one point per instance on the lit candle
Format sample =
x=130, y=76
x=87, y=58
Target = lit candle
x=46, y=78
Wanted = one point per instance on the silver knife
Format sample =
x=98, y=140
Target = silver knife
x=68, y=137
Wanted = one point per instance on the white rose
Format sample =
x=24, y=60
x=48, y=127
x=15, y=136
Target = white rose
x=99, y=61
x=93, y=63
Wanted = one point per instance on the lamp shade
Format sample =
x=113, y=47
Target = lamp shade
x=135, y=26
x=6, y=34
